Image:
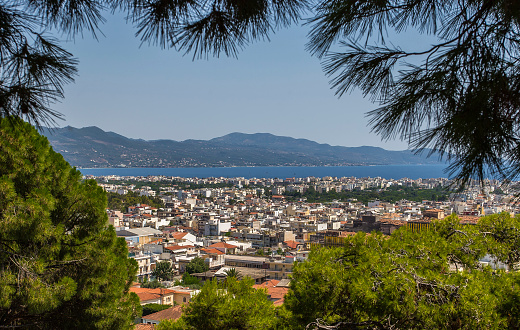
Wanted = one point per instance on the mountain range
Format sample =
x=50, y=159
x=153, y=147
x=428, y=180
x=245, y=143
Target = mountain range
x=93, y=147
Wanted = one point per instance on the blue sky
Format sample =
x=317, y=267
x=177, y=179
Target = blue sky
x=275, y=86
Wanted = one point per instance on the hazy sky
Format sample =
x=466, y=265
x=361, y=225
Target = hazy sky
x=152, y=93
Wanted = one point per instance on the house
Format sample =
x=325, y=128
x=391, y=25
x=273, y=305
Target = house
x=433, y=214
x=183, y=238
x=246, y=261
x=172, y=313
x=183, y=295
x=180, y=249
x=146, y=262
x=224, y=247
x=139, y=236
x=154, y=296
x=213, y=258
x=215, y=227
x=279, y=269
x=293, y=245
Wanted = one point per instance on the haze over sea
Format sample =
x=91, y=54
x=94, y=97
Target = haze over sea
x=282, y=172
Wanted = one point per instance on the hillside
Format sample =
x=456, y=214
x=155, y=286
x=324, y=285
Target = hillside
x=93, y=147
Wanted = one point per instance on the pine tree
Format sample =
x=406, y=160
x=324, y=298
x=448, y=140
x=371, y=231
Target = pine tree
x=61, y=265
x=412, y=280
x=230, y=305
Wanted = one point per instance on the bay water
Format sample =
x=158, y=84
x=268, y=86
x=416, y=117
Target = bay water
x=384, y=171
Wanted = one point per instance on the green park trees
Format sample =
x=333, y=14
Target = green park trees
x=61, y=266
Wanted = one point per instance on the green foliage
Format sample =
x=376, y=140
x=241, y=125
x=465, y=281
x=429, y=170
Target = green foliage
x=154, y=308
x=196, y=265
x=152, y=284
x=457, y=96
x=504, y=237
x=409, y=280
x=230, y=305
x=34, y=67
x=163, y=271
x=190, y=281
x=122, y=202
x=179, y=324
x=61, y=265
x=391, y=194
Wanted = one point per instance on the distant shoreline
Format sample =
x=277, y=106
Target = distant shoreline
x=383, y=171
x=253, y=166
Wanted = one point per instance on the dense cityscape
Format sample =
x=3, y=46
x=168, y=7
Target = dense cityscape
x=257, y=226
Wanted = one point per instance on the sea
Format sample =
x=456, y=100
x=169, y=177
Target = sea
x=384, y=171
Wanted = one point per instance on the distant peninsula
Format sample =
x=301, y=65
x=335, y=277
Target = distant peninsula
x=94, y=148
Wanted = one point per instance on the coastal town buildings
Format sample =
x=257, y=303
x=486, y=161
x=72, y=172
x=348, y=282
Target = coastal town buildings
x=261, y=227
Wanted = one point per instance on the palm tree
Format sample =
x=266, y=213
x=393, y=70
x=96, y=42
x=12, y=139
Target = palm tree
x=232, y=272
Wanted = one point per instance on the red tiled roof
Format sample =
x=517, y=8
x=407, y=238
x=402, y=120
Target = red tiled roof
x=273, y=291
x=178, y=235
x=222, y=245
x=178, y=247
x=146, y=296
x=214, y=251
x=277, y=293
x=174, y=247
x=172, y=313
x=266, y=284
x=158, y=291
x=279, y=302
x=292, y=244
x=469, y=219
